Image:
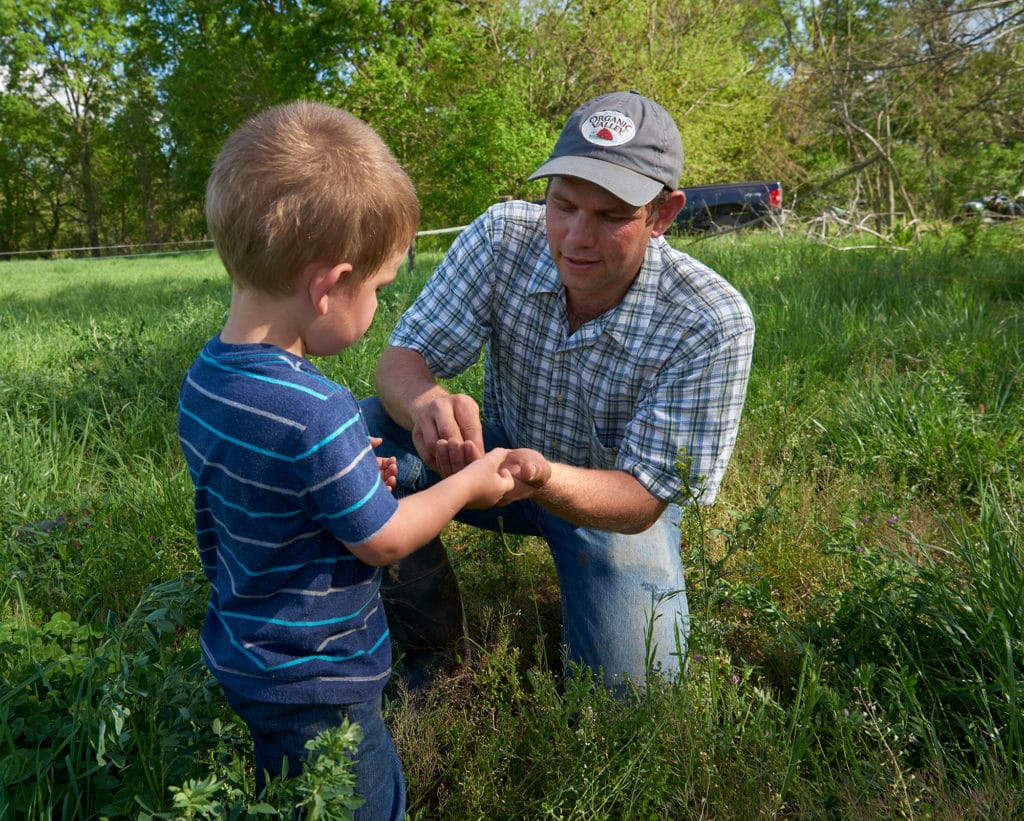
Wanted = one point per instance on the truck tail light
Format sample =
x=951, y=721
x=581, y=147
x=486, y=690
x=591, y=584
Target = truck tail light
x=775, y=196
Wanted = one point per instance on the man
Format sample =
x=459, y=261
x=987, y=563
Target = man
x=623, y=361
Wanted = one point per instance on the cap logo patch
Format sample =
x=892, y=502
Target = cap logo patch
x=608, y=128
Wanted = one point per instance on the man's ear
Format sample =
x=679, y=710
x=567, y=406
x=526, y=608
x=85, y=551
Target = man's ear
x=669, y=210
x=321, y=280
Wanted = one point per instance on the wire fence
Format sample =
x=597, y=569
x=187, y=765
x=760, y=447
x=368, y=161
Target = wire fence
x=100, y=251
x=129, y=250
x=825, y=228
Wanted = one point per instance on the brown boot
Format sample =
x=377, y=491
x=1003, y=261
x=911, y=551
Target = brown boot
x=425, y=615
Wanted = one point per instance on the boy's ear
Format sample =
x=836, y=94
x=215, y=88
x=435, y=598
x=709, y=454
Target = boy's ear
x=321, y=280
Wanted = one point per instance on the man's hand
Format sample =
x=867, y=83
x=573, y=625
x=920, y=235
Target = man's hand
x=420, y=404
x=451, y=418
x=528, y=468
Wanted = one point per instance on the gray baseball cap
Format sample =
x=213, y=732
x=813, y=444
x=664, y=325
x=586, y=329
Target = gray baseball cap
x=623, y=142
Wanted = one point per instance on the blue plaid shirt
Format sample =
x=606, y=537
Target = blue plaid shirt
x=662, y=376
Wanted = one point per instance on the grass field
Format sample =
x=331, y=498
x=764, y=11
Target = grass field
x=857, y=592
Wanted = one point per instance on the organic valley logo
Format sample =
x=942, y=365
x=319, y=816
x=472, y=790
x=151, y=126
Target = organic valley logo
x=608, y=128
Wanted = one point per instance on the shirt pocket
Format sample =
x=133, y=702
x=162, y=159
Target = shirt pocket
x=599, y=455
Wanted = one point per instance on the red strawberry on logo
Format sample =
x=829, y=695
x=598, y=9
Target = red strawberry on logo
x=605, y=134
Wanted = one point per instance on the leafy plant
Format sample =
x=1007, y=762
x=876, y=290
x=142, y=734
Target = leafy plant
x=324, y=790
x=94, y=717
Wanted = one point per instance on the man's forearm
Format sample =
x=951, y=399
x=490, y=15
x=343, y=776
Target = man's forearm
x=602, y=499
x=402, y=379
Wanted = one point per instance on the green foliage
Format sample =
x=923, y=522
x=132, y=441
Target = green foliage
x=902, y=96
x=701, y=60
x=521, y=746
x=326, y=787
x=114, y=111
x=487, y=162
x=931, y=637
x=95, y=716
x=323, y=791
x=923, y=429
x=989, y=168
x=453, y=110
x=65, y=59
x=88, y=428
x=855, y=648
x=217, y=64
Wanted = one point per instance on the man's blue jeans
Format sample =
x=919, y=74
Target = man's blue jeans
x=624, y=608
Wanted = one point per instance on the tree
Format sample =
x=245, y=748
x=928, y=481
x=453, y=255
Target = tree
x=136, y=193
x=33, y=177
x=63, y=58
x=444, y=92
x=903, y=94
x=698, y=58
x=214, y=64
x=472, y=95
x=113, y=111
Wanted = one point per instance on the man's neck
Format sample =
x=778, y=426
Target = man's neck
x=581, y=310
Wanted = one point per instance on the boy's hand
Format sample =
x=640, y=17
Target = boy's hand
x=491, y=481
x=387, y=465
x=530, y=470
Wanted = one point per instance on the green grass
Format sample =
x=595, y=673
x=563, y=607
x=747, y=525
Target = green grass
x=857, y=646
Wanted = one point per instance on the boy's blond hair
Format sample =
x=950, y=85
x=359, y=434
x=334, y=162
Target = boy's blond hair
x=307, y=182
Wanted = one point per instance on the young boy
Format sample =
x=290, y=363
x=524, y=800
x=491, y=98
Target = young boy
x=294, y=515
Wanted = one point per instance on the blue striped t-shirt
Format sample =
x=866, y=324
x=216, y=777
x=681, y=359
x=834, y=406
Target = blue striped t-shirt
x=284, y=478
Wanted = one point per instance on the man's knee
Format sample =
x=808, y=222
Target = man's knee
x=377, y=419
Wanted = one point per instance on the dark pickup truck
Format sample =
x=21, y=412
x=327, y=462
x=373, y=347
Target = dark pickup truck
x=731, y=205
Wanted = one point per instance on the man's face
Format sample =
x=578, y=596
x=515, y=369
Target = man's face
x=597, y=241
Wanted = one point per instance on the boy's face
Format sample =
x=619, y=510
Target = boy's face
x=355, y=301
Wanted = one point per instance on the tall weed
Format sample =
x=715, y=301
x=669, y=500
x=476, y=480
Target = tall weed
x=932, y=637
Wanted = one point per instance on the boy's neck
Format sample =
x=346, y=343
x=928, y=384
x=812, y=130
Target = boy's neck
x=256, y=318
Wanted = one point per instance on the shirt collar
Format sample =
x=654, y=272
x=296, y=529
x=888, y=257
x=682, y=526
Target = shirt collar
x=626, y=323
x=544, y=279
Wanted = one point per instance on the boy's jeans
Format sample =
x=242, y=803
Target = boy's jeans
x=281, y=731
x=624, y=605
